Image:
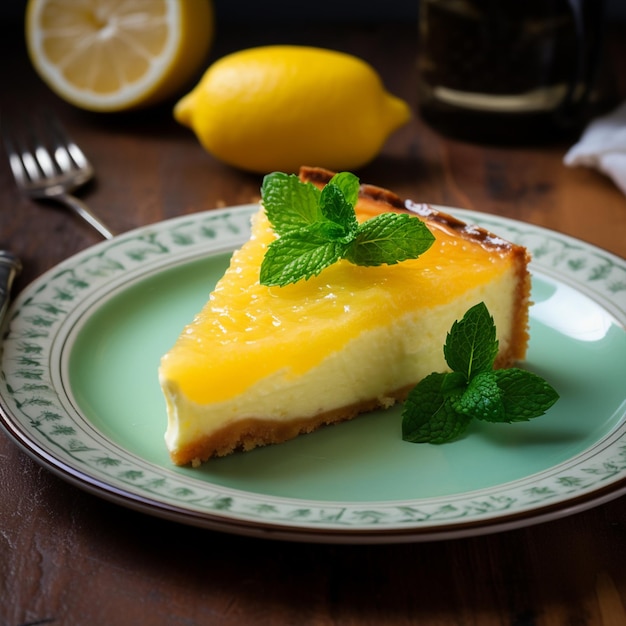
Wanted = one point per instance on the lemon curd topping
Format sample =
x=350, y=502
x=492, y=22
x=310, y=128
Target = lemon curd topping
x=287, y=331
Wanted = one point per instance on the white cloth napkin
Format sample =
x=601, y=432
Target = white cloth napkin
x=603, y=146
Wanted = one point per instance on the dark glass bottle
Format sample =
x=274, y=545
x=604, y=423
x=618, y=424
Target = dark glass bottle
x=507, y=71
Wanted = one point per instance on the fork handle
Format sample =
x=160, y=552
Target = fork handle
x=80, y=208
x=10, y=267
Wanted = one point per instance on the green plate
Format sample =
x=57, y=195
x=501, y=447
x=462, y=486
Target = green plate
x=79, y=392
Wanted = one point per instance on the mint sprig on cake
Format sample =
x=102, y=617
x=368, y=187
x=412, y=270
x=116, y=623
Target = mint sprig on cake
x=317, y=228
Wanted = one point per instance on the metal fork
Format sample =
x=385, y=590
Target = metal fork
x=48, y=165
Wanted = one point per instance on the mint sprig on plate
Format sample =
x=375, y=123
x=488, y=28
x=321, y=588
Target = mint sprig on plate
x=317, y=228
x=442, y=405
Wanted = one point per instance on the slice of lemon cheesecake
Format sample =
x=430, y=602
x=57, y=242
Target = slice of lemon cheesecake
x=261, y=365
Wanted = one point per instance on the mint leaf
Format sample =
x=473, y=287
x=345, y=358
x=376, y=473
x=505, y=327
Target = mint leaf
x=349, y=185
x=454, y=383
x=429, y=415
x=482, y=399
x=289, y=203
x=339, y=211
x=389, y=238
x=440, y=407
x=524, y=394
x=471, y=345
x=299, y=255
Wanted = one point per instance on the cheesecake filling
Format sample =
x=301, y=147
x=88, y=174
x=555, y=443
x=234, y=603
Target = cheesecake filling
x=378, y=363
x=263, y=364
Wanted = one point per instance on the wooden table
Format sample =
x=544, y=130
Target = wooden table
x=70, y=558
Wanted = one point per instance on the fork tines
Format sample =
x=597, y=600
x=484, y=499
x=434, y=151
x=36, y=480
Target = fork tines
x=42, y=149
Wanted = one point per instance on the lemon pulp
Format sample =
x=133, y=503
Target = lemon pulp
x=109, y=55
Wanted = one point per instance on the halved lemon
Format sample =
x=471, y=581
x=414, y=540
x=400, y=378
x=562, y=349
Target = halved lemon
x=114, y=55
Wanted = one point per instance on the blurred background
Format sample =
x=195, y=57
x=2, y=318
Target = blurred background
x=323, y=10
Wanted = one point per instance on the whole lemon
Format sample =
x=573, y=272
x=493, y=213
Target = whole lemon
x=279, y=107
